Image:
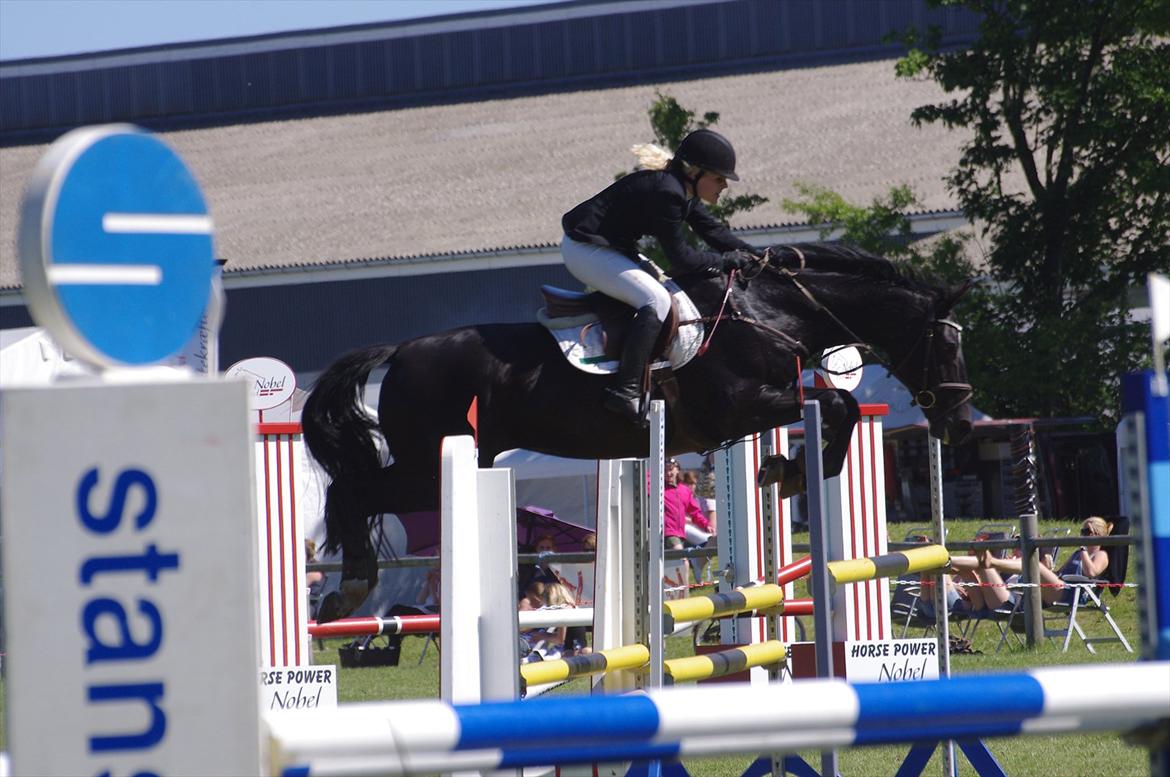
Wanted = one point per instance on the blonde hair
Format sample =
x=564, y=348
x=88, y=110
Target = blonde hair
x=559, y=595
x=1098, y=525
x=651, y=156
x=310, y=550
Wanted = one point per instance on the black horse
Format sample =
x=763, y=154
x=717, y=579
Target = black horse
x=797, y=302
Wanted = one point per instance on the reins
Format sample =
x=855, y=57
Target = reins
x=925, y=398
x=736, y=315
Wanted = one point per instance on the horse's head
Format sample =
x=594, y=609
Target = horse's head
x=935, y=371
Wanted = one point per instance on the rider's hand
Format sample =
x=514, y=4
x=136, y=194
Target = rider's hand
x=737, y=260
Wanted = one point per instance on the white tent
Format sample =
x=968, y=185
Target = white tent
x=28, y=356
x=568, y=487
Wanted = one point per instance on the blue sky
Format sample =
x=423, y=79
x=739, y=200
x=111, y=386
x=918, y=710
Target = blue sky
x=43, y=28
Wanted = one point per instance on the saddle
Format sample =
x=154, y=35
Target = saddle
x=590, y=327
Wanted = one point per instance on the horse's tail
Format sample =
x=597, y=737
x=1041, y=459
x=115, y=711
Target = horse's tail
x=341, y=438
x=337, y=428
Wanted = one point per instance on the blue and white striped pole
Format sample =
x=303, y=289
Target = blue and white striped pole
x=434, y=736
x=1146, y=429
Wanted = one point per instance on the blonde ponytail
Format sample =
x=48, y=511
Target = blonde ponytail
x=651, y=156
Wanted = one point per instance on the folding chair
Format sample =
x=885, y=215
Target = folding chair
x=1065, y=611
x=1004, y=619
x=923, y=534
x=906, y=606
x=997, y=531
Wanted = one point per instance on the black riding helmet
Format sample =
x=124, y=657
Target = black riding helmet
x=710, y=151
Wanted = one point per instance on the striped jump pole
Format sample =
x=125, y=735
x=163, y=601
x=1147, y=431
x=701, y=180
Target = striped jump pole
x=431, y=624
x=599, y=662
x=788, y=608
x=762, y=597
x=676, y=670
x=419, y=737
x=724, y=662
x=923, y=559
x=794, y=571
x=376, y=626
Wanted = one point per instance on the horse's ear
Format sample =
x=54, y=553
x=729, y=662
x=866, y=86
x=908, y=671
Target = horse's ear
x=953, y=294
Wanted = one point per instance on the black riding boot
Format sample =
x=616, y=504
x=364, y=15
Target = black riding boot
x=625, y=398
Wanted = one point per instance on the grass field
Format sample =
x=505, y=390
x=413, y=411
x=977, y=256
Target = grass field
x=1085, y=755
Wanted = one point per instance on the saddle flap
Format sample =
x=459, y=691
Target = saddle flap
x=593, y=326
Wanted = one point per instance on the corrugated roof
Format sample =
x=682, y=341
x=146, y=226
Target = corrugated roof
x=481, y=176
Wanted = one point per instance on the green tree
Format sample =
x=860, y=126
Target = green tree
x=1068, y=171
x=671, y=122
x=883, y=227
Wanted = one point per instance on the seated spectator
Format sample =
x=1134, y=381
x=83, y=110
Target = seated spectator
x=572, y=639
x=426, y=602
x=1088, y=560
x=543, y=570
x=533, y=596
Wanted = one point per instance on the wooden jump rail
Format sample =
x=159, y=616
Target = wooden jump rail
x=724, y=662
x=677, y=670
x=900, y=562
x=599, y=662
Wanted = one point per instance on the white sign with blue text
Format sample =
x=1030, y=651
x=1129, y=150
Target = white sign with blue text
x=130, y=579
x=891, y=660
x=298, y=688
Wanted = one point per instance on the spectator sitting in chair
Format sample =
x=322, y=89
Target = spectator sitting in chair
x=1089, y=560
x=426, y=602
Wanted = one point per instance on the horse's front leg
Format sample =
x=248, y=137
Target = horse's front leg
x=839, y=414
x=768, y=408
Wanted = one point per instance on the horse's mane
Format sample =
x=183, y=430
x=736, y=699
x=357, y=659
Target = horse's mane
x=847, y=260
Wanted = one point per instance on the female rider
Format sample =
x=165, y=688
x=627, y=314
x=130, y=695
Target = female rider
x=600, y=246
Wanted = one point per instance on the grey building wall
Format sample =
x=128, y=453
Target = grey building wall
x=310, y=325
x=590, y=43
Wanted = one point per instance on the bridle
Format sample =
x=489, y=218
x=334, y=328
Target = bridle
x=925, y=397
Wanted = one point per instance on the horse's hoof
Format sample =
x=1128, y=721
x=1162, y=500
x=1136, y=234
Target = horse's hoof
x=353, y=593
x=342, y=602
x=330, y=608
x=771, y=471
x=792, y=486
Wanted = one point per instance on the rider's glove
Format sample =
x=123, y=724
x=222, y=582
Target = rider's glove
x=737, y=260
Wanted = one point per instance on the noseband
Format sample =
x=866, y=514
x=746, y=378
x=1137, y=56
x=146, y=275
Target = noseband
x=927, y=397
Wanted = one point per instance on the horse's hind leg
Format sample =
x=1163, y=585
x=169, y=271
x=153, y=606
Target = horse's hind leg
x=350, y=505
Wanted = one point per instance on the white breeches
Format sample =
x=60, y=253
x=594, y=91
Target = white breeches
x=615, y=275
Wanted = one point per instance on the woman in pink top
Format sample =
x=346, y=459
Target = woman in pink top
x=679, y=504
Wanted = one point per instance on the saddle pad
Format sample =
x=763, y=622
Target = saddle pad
x=582, y=345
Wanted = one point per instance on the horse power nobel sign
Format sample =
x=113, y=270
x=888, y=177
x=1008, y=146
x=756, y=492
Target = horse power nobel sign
x=115, y=246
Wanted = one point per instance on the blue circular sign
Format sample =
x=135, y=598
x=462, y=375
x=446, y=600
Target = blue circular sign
x=116, y=246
